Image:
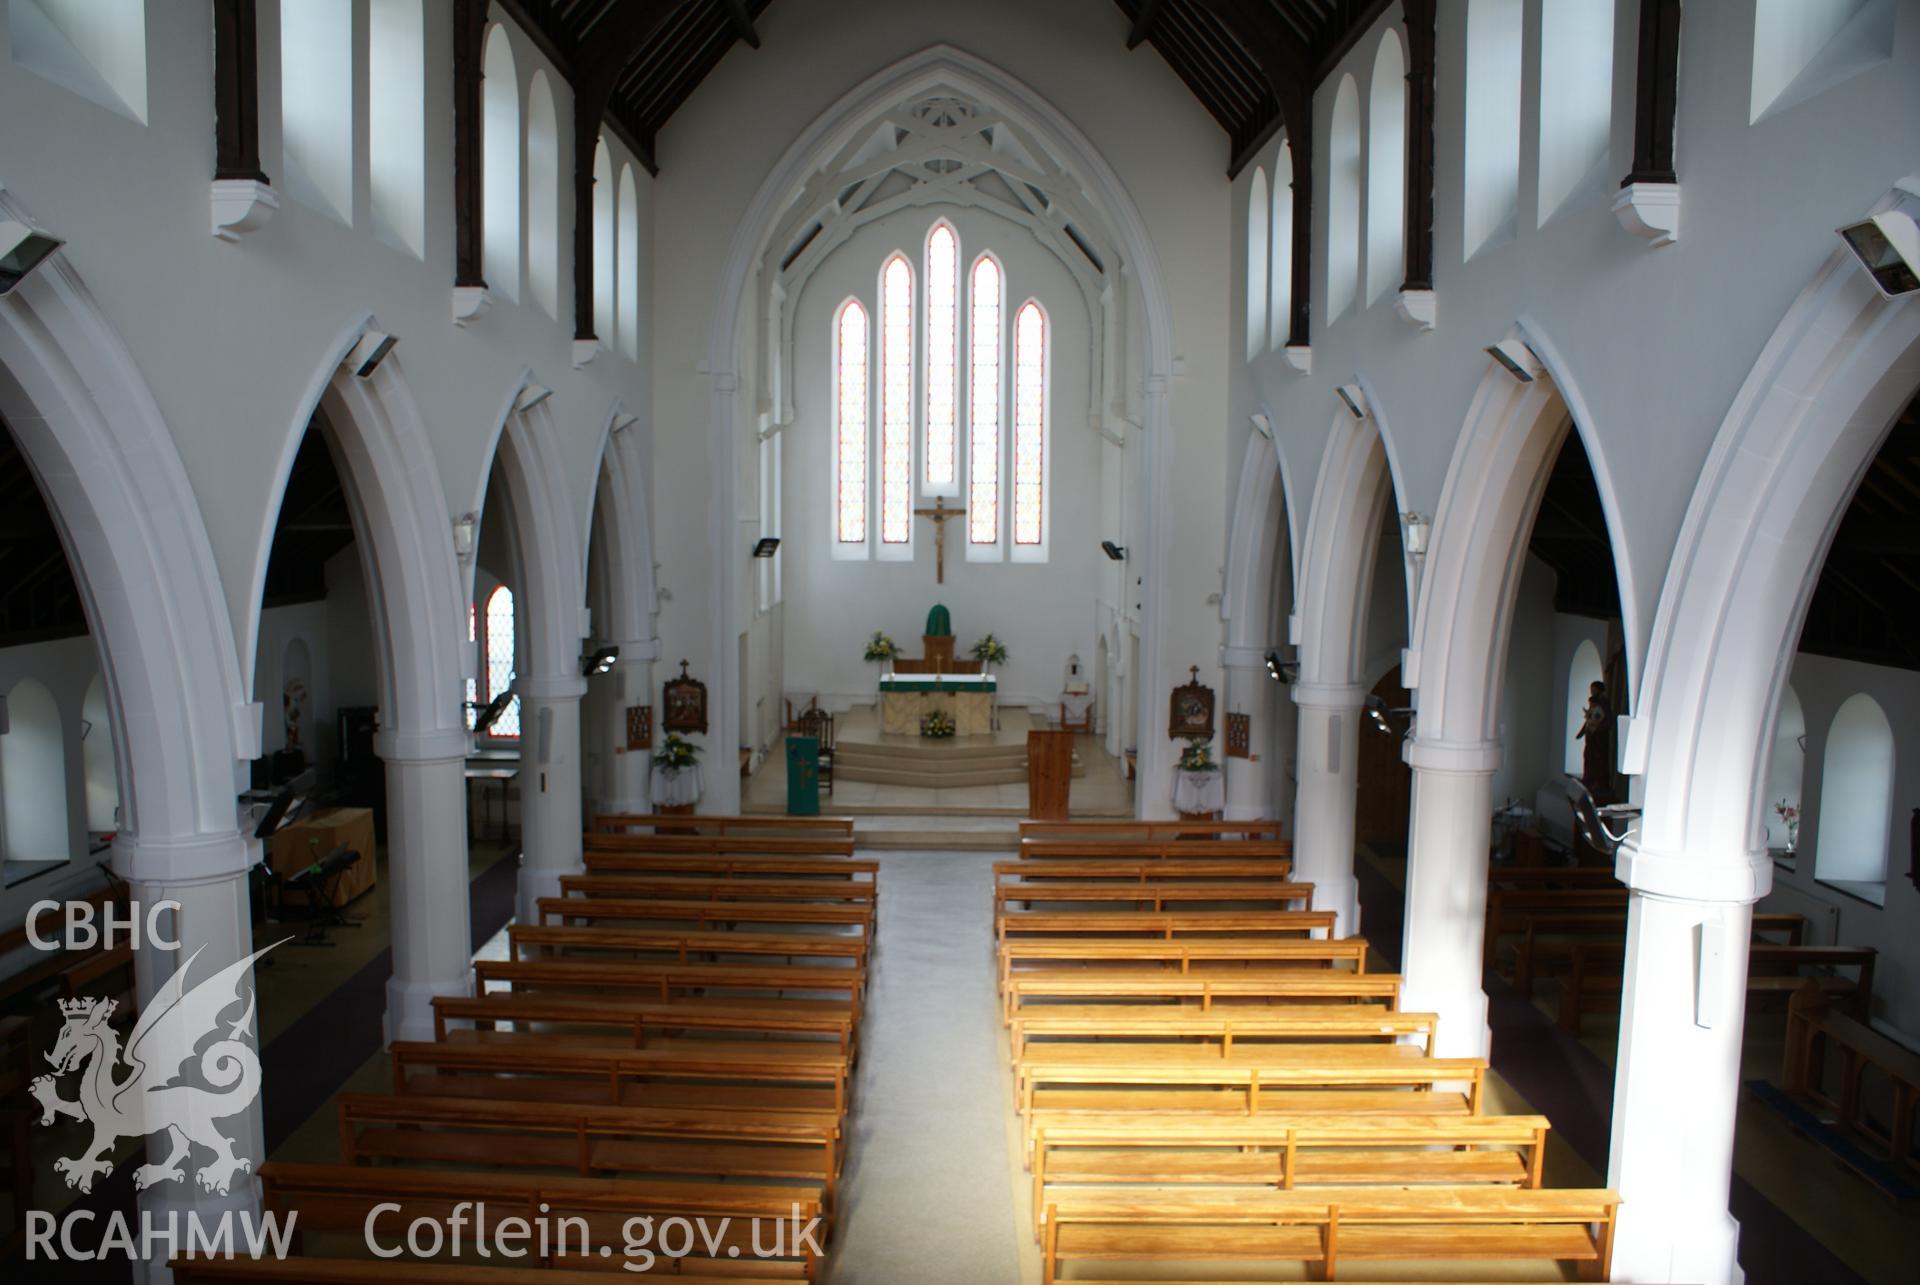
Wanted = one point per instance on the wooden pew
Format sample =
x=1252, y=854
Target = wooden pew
x=678, y=982
x=1549, y=940
x=1209, y=987
x=1183, y=956
x=1596, y=976
x=1328, y=1227
x=1155, y=895
x=525, y=938
x=720, y=845
x=810, y=1075
x=703, y=915
x=1510, y=910
x=337, y=1198
x=1163, y=923
x=1141, y=831
x=590, y=1139
x=1151, y=870
x=1283, y=1151
x=1158, y=1076
x=18, y=1111
x=1518, y=877
x=1353, y=1023
x=51, y=925
x=1156, y=850
x=632, y=822
x=860, y=892
x=659, y=864
x=636, y=1019
x=1813, y=1020
x=363, y=1271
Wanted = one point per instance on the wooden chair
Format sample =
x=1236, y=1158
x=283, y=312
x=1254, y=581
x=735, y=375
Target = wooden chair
x=818, y=723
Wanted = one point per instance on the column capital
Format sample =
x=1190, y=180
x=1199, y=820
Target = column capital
x=635, y=650
x=1333, y=696
x=181, y=858
x=1736, y=878
x=1240, y=656
x=1465, y=758
x=398, y=745
x=549, y=687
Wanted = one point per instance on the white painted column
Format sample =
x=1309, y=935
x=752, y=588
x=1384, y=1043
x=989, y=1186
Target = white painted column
x=1677, y=1082
x=1327, y=764
x=551, y=820
x=627, y=783
x=1249, y=791
x=427, y=870
x=1447, y=853
x=206, y=875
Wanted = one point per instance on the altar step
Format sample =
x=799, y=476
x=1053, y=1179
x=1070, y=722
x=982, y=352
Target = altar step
x=945, y=768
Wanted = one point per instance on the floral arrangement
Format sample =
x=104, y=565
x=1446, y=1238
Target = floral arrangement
x=937, y=725
x=676, y=752
x=1789, y=814
x=881, y=647
x=990, y=651
x=1198, y=756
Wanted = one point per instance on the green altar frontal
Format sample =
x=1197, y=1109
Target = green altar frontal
x=965, y=698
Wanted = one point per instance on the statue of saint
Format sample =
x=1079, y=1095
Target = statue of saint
x=1596, y=757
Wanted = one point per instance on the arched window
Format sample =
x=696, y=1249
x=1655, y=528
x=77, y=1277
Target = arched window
x=1030, y=429
x=1785, y=767
x=628, y=258
x=983, y=402
x=33, y=776
x=1492, y=85
x=1856, y=795
x=1343, y=200
x=603, y=252
x=1258, y=230
x=500, y=664
x=1386, y=167
x=543, y=196
x=896, y=402
x=316, y=104
x=942, y=467
x=1581, y=675
x=500, y=164
x=1280, y=292
x=1576, y=108
x=850, y=422
x=397, y=124
x=102, y=773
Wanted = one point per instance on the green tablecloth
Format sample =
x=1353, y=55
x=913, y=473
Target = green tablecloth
x=947, y=683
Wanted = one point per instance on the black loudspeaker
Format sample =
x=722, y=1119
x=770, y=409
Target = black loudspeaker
x=360, y=776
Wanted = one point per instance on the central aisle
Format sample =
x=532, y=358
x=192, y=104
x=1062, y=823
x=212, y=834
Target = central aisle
x=928, y=1193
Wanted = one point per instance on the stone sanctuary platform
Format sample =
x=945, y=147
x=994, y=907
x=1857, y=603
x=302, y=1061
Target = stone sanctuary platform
x=862, y=752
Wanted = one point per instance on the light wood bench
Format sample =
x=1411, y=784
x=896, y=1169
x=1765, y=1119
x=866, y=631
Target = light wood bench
x=1156, y=895
x=525, y=938
x=1511, y=910
x=1517, y=877
x=1283, y=1151
x=365, y=1271
x=679, y=824
x=1248, y=1070
x=1326, y=1228
x=505, y=1065
x=1154, y=870
x=702, y=914
x=1156, y=850
x=588, y=1139
x=720, y=845
x=859, y=892
x=1207, y=954
x=1166, y=924
x=1347, y=1022
x=789, y=984
x=657, y=864
x=636, y=1019
x=1813, y=1020
x=1148, y=830
x=1205, y=989
x=1594, y=982
x=1548, y=943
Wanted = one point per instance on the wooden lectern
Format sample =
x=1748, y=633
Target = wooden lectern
x=1049, y=774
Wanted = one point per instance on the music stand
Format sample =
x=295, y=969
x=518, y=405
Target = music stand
x=319, y=882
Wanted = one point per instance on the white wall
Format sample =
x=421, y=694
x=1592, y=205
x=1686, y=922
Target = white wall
x=64, y=667
x=1044, y=611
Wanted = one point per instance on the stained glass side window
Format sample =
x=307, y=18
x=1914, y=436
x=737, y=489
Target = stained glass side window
x=500, y=660
x=850, y=421
x=473, y=687
x=983, y=404
x=943, y=360
x=1029, y=424
x=896, y=401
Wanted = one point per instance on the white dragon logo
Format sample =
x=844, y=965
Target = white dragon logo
x=150, y=1099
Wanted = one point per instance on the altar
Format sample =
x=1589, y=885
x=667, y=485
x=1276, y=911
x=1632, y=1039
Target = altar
x=966, y=698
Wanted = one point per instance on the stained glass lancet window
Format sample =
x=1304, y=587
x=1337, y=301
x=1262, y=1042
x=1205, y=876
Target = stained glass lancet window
x=896, y=401
x=943, y=360
x=500, y=659
x=1029, y=424
x=850, y=421
x=983, y=404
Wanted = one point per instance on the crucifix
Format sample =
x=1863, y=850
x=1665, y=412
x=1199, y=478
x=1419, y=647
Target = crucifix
x=939, y=514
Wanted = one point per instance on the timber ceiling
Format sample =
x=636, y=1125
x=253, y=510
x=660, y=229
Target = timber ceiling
x=314, y=524
x=652, y=54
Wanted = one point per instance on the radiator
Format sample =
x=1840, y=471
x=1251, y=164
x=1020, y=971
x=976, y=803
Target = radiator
x=1822, y=915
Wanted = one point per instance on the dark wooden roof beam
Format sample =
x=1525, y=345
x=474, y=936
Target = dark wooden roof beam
x=1144, y=21
x=741, y=22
